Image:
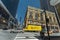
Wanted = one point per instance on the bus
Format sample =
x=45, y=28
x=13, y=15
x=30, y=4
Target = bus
x=32, y=27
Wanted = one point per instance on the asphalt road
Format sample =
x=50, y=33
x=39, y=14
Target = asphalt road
x=27, y=36
x=6, y=35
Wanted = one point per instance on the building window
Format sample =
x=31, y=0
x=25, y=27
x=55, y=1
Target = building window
x=41, y=17
x=50, y=19
x=56, y=27
x=30, y=15
x=36, y=16
x=0, y=14
x=52, y=27
x=30, y=21
x=54, y=19
x=3, y=13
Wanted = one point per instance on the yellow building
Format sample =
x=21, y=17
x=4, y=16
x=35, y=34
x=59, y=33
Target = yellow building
x=35, y=16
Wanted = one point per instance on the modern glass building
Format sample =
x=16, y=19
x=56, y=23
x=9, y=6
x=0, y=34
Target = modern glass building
x=58, y=9
x=46, y=4
x=11, y=5
x=56, y=4
x=4, y=16
x=7, y=13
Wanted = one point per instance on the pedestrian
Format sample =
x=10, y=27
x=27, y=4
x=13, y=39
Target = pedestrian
x=42, y=33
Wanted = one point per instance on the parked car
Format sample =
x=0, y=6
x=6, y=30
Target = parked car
x=50, y=32
x=16, y=31
x=5, y=28
x=55, y=31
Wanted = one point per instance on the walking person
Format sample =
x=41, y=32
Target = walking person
x=42, y=33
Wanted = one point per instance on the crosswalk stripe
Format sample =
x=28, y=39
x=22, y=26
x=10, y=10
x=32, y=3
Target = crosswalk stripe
x=20, y=37
x=26, y=37
x=16, y=36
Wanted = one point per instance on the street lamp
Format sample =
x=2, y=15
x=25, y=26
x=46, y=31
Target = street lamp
x=47, y=21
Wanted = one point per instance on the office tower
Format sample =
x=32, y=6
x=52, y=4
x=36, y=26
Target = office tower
x=11, y=5
x=46, y=4
x=56, y=4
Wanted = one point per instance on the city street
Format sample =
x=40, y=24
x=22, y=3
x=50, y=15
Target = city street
x=6, y=35
x=29, y=19
x=27, y=36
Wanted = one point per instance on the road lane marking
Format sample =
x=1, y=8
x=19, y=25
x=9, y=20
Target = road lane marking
x=15, y=37
x=20, y=37
x=25, y=37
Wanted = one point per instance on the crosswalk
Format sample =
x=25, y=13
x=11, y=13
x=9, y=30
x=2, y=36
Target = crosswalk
x=26, y=36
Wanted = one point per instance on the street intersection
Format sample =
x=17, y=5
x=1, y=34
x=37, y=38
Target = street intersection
x=6, y=35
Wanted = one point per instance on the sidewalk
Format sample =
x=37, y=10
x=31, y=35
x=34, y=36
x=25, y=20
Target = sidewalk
x=0, y=29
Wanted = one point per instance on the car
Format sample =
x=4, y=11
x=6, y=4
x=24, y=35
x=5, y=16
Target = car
x=16, y=31
x=50, y=32
x=55, y=31
x=5, y=28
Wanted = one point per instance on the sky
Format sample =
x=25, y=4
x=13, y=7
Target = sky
x=22, y=7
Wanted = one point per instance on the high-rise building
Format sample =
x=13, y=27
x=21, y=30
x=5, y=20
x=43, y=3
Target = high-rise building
x=11, y=5
x=4, y=15
x=56, y=4
x=46, y=4
x=7, y=13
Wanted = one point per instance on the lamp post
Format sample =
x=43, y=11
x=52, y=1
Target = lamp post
x=47, y=21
